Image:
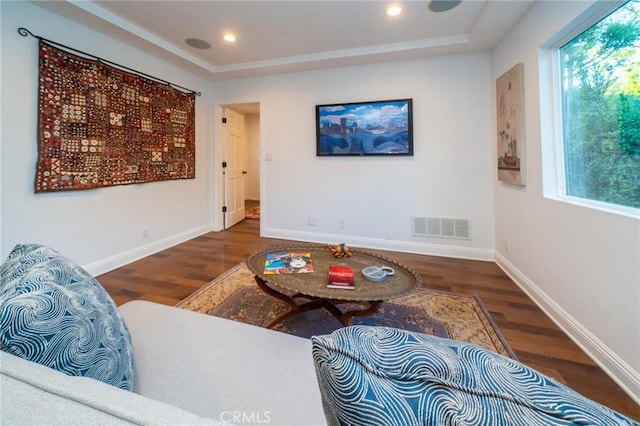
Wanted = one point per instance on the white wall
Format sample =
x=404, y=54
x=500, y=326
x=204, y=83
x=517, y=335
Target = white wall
x=450, y=174
x=99, y=228
x=581, y=265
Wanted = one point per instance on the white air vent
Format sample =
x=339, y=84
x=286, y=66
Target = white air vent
x=419, y=226
x=440, y=227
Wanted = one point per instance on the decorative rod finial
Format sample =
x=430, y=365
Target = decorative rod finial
x=24, y=32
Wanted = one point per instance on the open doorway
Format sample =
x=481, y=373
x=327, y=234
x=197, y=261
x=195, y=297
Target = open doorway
x=241, y=163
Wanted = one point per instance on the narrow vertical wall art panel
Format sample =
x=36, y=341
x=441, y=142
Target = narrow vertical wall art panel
x=101, y=126
x=511, y=127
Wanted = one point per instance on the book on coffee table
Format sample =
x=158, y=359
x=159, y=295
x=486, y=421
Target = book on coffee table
x=288, y=263
x=340, y=277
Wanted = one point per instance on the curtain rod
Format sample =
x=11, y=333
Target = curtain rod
x=25, y=32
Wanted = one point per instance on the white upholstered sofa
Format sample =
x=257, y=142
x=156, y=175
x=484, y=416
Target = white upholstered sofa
x=190, y=368
x=68, y=355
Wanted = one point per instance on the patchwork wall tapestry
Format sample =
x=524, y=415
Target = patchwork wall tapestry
x=102, y=126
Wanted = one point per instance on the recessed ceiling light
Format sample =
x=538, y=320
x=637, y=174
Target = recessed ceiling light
x=197, y=43
x=229, y=37
x=394, y=10
x=443, y=5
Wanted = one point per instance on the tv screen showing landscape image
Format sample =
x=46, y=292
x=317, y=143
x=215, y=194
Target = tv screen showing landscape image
x=365, y=128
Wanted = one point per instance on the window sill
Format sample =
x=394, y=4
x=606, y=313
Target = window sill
x=598, y=205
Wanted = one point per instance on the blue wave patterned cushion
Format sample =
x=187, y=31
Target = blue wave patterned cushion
x=386, y=376
x=54, y=313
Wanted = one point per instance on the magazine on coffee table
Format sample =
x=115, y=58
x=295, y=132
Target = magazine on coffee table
x=288, y=263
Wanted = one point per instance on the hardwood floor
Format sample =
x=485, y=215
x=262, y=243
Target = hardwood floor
x=172, y=275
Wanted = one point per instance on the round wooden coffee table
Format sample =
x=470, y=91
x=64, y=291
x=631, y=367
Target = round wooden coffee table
x=307, y=291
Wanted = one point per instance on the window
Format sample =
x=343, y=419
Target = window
x=600, y=85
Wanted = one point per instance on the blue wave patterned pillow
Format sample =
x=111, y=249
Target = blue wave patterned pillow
x=386, y=376
x=55, y=313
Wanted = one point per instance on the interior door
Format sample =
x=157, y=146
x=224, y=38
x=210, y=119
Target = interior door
x=235, y=158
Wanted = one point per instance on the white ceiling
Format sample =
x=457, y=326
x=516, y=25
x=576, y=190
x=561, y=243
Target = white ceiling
x=294, y=35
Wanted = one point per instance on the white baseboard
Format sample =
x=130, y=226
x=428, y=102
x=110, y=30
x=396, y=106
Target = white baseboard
x=121, y=259
x=619, y=371
x=381, y=244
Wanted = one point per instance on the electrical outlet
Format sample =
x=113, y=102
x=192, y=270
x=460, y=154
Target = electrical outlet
x=341, y=224
x=145, y=232
x=312, y=221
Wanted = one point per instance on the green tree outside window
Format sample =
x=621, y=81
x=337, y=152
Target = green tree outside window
x=601, y=109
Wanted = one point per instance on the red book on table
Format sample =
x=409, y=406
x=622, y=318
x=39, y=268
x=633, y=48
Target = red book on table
x=340, y=277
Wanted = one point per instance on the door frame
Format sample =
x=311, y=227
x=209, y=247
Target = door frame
x=217, y=159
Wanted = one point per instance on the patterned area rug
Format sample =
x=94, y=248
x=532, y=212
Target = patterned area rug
x=235, y=295
x=252, y=213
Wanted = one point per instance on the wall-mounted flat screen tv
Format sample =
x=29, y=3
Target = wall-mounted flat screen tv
x=365, y=128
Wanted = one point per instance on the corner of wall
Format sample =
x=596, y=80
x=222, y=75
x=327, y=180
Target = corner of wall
x=621, y=372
